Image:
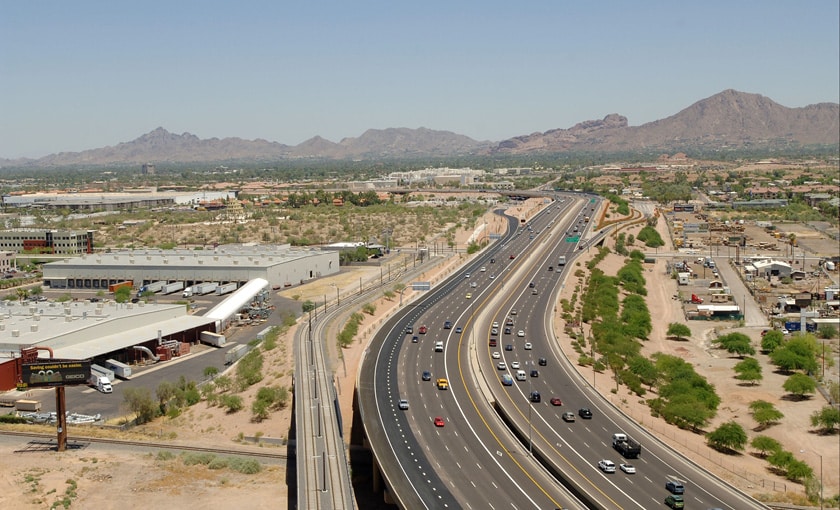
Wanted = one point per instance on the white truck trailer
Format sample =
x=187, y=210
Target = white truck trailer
x=233, y=355
x=120, y=370
x=226, y=288
x=214, y=339
x=171, y=288
x=201, y=289
x=152, y=287
x=102, y=371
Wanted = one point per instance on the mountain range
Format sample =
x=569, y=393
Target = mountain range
x=727, y=120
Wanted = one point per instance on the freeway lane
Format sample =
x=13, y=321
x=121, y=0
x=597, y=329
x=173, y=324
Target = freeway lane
x=495, y=473
x=575, y=448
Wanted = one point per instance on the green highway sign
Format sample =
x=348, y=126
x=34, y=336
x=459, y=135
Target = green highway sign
x=573, y=239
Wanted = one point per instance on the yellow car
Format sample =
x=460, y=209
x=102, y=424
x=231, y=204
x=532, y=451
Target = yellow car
x=442, y=384
x=469, y=295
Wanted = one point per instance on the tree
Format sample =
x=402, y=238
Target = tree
x=827, y=419
x=771, y=340
x=765, y=413
x=827, y=331
x=748, y=370
x=678, y=330
x=139, y=401
x=736, y=343
x=210, y=372
x=798, y=353
x=765, y=445
x=798, y=470
x=780, y=459
x=799, y=385
x=644, y=369
x=729, y=436
x=307, y=306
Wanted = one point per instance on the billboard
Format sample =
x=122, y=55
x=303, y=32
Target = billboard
x=54, y=372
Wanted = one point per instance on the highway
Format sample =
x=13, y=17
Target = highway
x=506, y=474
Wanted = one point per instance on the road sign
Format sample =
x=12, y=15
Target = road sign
x=573, y=239
x=421, y=285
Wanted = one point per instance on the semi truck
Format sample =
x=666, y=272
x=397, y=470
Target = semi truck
x=626, y=446
x=188, y=292
x=201, y=289
x=211, y=338
x=152, y=287
x=120, y=370
x=226, y=288
x=100, y=382
x=233, y=355
x=170, y=288
x=117, y=286
x=102, y=371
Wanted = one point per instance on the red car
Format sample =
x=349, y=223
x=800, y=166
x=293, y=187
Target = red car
x=512, y=256
x=439, y=421
x=423, y=330
x=556, y=401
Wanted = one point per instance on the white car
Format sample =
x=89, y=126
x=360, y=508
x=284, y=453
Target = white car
x=520, y=333
x=607, y=466
x=630, y=469
x=496, y=355
x=502, y=365
x=514, y=365
x=528, y=346
x=403, y=404
x=495, y=324
x=483, y=269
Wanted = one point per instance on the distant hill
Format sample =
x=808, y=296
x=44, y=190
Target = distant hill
x=730, y=119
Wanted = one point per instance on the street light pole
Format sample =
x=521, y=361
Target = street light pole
x=821, y=476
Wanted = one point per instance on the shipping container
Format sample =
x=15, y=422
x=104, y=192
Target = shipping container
x=120, y=370
x=211, y=338
x=204, y=288
x=226, y=288
x=28, y=405
x=169, y=288
x=117, y=286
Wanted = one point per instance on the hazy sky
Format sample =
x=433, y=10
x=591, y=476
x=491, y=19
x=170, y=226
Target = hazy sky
x=87, y=74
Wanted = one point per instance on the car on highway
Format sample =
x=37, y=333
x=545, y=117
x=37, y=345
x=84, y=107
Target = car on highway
x=415, y=339
x=528, y=346
x=439, y=421
x=607, y=466
x=535, y=396
x=513, y=311
x=492, y=342
x=542, y=362
x=501, y=365
x=520, y=333
x=423, y=330
x=534, y=292
x=535, y=372
x=630, y=469
x=459, y=329
x=496, y=355
x=473, y=285
x=507, y=331
x=555, y=401
x=507, y=380
x=512, y=256
x=675, y=501
x=531, y=285
x=551, y=268
x=495, y=324
x=494, y=331
x=509, y=321
x=466, y=275
x=403, y=404
x=427, y=376
x=469, y=295
x=568, y=416
x=508, y=347
x=514, y=365
x=492, y=276
x=442, y=384
x=409, y=330
x=585, y=413
x=483, y=269
x=447, y=325
x=675, y=487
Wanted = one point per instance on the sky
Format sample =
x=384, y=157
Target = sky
x=89, y=74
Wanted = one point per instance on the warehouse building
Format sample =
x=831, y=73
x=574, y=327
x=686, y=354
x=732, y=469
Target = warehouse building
x=280, y=265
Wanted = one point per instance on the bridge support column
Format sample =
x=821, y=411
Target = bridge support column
x=377, y=476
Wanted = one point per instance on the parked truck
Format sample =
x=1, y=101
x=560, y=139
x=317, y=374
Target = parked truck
x=173, y=287
x=120, y=370
x=117, y=286
x=226, y=288
x=188, y=292
x=214, y=339
x=626, y=446
x=102, y=371
x=152, y=287
x=100, y=382
x=204, y=288
x=233, y=355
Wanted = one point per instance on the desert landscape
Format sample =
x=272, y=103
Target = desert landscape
x=99, y=476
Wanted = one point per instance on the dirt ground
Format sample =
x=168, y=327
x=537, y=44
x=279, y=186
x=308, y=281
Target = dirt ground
x=116, y=478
